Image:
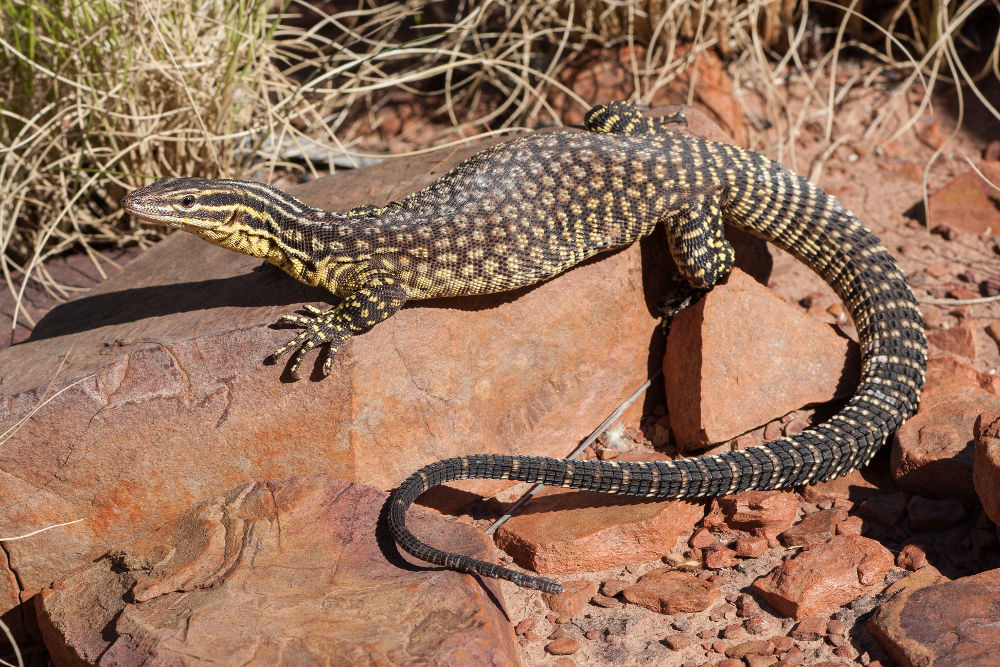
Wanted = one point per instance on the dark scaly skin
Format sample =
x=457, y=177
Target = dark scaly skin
x=521, y=212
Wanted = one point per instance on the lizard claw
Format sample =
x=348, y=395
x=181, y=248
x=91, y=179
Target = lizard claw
x=320, y=329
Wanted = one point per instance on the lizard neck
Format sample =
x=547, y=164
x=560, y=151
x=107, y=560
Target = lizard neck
x=314, y=246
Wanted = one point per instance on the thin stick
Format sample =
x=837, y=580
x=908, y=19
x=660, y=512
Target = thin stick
x=579, y=450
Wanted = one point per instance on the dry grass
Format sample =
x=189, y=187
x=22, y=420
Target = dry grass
x=99, y=97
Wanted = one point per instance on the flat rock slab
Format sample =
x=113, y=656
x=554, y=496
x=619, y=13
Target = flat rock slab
x=278, y=573
x=955, y=623
x=822, y=578
x=743, y=356
x=560, y=531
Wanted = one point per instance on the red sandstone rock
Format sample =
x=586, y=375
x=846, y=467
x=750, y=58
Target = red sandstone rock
x=993, y=330
x=934, y=456
x=560, y=531
x=911, y=557
x=74, y=270
x=751, y=547
x=959, y=339
x=563, y=646
x=276, y=572
x=986, y=472
x=672, y=592
x=950, y=623
x=757, y=513
x=968, y=202
x=814, y=529
x=931, y=516
x=809, y=628
x=855, y=486
x=703, y=538
x=677, y=641
x=719, y=557
x=851, y=525
x=820, y=579
x=742, y=356
x=944, y=370
x=574, y=597
x=886, y=509
x=613, y=587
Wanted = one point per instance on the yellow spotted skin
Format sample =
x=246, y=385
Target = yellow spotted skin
x=523, y=211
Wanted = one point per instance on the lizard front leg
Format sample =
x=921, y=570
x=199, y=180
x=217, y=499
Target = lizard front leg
x=378, y=296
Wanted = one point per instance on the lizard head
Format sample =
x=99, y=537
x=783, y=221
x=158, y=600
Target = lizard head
x=237, y=215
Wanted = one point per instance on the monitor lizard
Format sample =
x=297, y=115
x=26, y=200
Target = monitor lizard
x=523, y=211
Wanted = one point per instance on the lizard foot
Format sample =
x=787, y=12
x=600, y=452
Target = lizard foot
x=320, y=328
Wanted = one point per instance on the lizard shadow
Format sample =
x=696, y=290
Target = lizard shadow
x=263, y=286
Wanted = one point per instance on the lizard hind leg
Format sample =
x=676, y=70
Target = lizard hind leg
x=697, y=243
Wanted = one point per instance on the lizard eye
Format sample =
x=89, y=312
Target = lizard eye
x=188, y=201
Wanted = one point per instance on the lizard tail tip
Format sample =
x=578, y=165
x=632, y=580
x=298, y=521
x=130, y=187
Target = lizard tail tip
x=553, y=588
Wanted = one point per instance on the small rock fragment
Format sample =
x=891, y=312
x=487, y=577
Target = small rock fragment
x=851, y=525
x=887, y=509
x=911, y=557
x=993, y=331
x=563, y=646
x=782, y=644
x=825, y=577
x=959, y=339
x=757, y=513
x=613, y=587
x=720, y=557
x=753, y=646
x=809, y=628
x=968, y=201
x=677, y=641
x=843, y=650
x=672, y=592
x=525, y=625
x=932, y=516
x=750, y=547
x=605, y=601
x=814, y=528
x=702, y=538
x=574, y=597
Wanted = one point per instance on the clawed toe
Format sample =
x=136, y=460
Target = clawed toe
x=319, y=330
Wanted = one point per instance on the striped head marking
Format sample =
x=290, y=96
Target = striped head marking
x=237, y=215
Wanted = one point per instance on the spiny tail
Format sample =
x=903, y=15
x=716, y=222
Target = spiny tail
x=630, y=479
